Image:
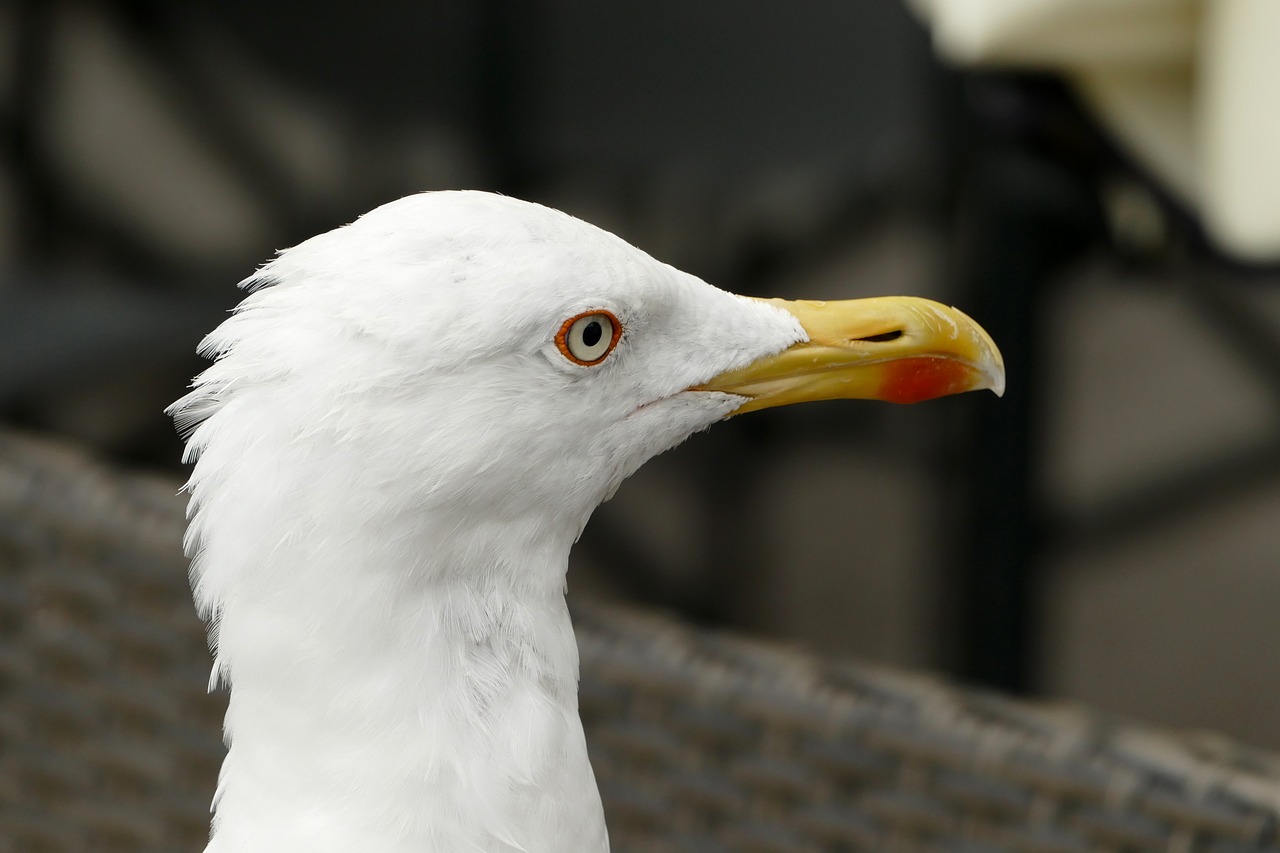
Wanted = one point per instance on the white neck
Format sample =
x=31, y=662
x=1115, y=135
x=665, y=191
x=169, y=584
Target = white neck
x=391, y=695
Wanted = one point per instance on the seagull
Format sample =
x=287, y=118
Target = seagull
x=406, y=425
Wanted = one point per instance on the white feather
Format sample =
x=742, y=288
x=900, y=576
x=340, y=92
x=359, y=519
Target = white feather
x=392, y=461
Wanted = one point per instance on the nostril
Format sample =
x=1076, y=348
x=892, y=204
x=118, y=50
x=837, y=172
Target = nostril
x=883, y=337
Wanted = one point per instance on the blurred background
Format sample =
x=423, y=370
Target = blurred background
x=1089, y=180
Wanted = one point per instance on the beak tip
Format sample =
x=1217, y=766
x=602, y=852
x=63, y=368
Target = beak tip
x=997, y=384
x=991, y=360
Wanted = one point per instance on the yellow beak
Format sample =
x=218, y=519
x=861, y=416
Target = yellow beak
x=900, y=349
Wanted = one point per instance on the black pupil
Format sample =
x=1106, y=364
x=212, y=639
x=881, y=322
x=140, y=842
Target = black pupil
x=592, y=334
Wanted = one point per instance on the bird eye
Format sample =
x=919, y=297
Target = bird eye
x=587, y=338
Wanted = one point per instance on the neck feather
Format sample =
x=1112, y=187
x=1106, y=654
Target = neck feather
x=398, y=682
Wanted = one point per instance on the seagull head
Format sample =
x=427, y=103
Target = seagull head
x=486, y=352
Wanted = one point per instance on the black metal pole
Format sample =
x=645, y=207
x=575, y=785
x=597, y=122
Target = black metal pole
x=1026, y=216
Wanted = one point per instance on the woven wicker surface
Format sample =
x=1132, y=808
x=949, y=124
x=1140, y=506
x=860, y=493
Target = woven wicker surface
x=701, y=741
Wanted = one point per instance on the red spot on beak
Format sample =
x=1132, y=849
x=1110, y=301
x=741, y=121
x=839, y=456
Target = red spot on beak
x=912, y=380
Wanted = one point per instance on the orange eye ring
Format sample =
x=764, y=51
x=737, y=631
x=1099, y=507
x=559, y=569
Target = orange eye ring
x=586, y=339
